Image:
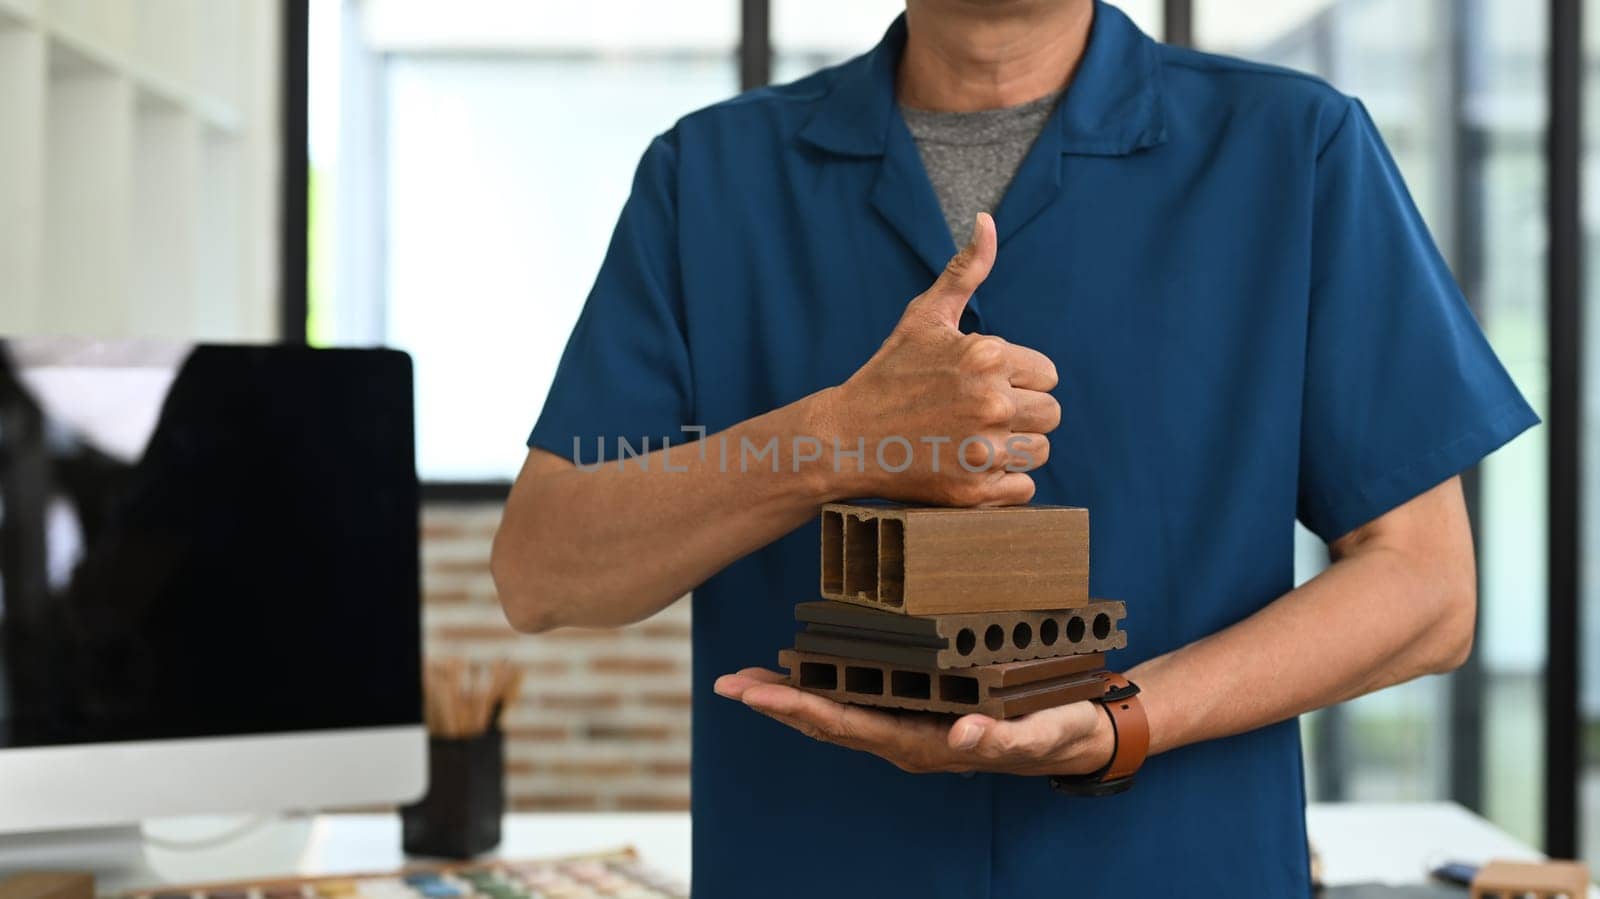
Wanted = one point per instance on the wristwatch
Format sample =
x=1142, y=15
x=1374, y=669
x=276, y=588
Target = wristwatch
x=1130, y=742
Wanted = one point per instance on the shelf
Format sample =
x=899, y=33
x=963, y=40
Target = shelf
x=165, y=205
x=73, y=54
x=22, y=96
x=101, y=30
x=137, y=169
x=88, y=182
x=155, y=89
x=17, y=12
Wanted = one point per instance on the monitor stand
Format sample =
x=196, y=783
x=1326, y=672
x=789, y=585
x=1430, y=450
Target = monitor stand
x=104, y=851
x=208, y=848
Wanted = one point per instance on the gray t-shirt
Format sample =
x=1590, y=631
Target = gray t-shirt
x=972, y=156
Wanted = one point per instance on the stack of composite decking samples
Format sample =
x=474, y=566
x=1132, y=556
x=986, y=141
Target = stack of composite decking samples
x=955, y=610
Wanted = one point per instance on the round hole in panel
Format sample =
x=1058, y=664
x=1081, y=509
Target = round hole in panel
x=1075, y=628
x=1049, y=631
x=966, y=641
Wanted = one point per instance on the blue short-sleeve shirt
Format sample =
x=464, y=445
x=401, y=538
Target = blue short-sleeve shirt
x=1251, y=324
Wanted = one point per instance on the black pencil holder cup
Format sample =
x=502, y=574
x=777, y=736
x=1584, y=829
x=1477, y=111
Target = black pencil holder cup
x=460, y=815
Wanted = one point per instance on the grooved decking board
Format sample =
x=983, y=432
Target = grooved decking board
x=933, y=561
x=1004, y=690
x=959, y=641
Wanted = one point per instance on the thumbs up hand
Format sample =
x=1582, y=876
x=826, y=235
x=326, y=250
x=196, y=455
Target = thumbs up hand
x=973, y=409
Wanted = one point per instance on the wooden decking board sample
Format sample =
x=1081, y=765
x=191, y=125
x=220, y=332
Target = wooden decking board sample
x=959, y=641
x=47, y=885
x=861, y=633
x=1539, y=880
x=1004, y=690
x=918, y=560
x=852, y=648
x=1013, y=674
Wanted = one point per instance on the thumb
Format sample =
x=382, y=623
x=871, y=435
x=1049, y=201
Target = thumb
x=948, y=296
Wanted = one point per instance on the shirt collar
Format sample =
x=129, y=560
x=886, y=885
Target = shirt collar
x=1112, y=107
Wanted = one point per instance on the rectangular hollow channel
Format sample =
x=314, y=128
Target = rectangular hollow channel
x=891, y=561
x=863, y=680
x=955, y=688
x=819, y=675
x=832, y=552
x=861, y=557
x=911, y=684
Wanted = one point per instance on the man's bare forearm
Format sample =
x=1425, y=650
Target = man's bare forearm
x=611, y=546
x=616, y=544
x=1398, y=602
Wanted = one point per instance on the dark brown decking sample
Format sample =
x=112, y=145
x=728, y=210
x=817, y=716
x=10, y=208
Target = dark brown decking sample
x=959, y=641
x=935, y=561
x=1004, y=690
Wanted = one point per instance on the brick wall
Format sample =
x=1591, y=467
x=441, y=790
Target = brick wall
x=603, y=722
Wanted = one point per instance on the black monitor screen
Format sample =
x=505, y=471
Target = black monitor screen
x=202, y=541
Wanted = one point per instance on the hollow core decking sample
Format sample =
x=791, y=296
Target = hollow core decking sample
x=933, y=561
x=1004, y=690
x=958, y=641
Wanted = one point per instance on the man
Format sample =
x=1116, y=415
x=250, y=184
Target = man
x=1207, y=272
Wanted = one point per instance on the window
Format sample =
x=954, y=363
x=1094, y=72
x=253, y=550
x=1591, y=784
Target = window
x=509, y=135
x=506, y=136
x=810, y=34
x=1589, y=784
x=1457, y=91
x=505, y=178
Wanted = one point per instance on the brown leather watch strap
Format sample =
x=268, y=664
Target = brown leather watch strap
x=1128, y=723
x=1130, y=734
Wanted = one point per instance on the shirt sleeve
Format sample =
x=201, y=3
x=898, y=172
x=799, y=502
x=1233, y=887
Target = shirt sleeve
x=625, y=373
x=1401, y=388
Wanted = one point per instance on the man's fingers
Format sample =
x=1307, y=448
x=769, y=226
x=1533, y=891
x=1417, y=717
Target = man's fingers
x=764, y=675
x=733, y=686
x=1012, y=488
x=787, y=702
x=1037, y=413
x=966, y=733
x=846, y=724
x=947, y=298
x=1026, y=452
x=1030, y=369
x=1020, y=740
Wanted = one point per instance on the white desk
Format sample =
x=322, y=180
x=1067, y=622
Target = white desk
x=1397, y=843
x=1358, y=843
x=357, y=844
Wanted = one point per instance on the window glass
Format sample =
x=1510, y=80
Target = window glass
x=810, y=34
x=508, y=135
x=1503, y=251
x=505, y=180
x=1589, y=577
x=1457, y=91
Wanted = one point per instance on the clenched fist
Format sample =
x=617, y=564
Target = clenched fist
x=945, y=417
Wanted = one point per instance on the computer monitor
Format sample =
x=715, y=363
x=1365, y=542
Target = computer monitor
x=209, y=596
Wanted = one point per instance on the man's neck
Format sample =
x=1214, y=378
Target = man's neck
x=962, y=56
